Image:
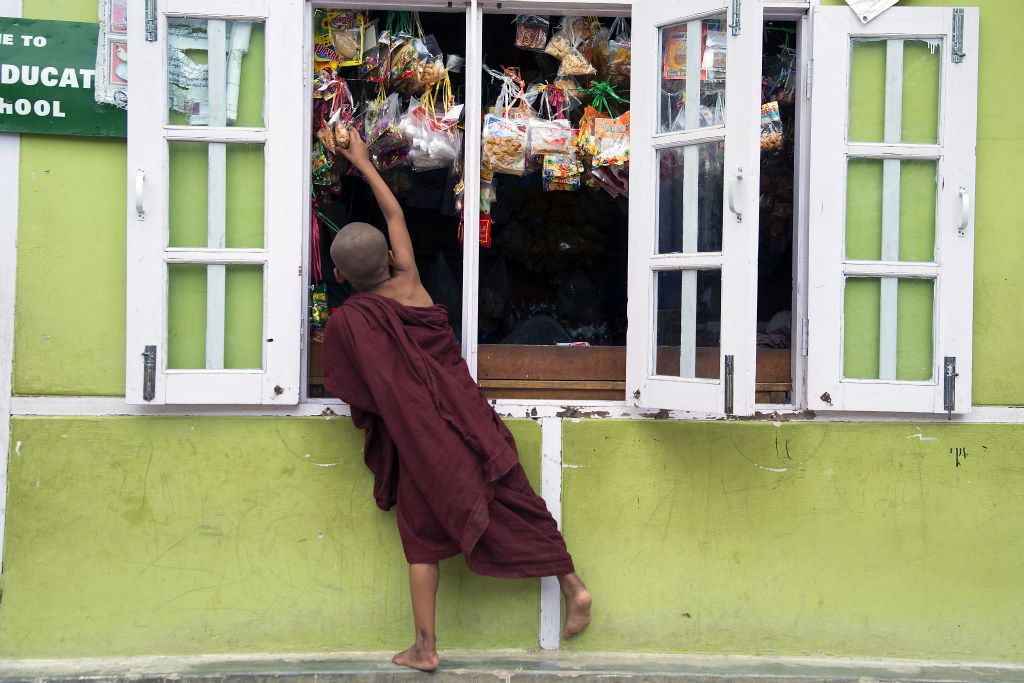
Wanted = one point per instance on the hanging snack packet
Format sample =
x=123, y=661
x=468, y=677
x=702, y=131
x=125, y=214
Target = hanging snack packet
x=561, y=172
x=333, y=132
x=559, y=44
x=771, y=126
x=320, y=165
x=548, y=137
x=381, y=124
x=612, y=141
x=585, y=141
x=620, y=52
x=531, y=31
x=504, y=145
x=575, y=63
x=347, y=29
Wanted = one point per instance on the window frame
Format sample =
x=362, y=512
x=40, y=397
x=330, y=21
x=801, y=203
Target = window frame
x=149, y=135
x=952, y=267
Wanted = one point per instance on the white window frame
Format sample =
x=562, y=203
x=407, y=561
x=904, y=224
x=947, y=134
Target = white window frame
x=953, y=267
x=277, y=383
x=738, y=259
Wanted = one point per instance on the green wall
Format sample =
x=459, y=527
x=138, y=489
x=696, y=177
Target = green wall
x=134, y=536
x=860, y=540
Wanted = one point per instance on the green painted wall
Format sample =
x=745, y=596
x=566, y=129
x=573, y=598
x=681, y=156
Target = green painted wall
x=839, y=539
x=132, y=536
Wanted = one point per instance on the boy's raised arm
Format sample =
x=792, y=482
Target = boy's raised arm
x=401, y=244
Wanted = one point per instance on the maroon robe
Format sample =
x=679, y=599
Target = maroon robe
x=434, y=444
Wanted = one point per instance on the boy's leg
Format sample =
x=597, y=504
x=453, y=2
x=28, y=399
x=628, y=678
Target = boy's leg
x=577, y=604
x=423, y=580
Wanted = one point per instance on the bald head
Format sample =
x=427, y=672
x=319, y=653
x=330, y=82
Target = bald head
x=360, y=253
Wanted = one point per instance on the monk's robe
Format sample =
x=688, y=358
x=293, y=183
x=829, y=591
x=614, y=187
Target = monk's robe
x=437, y=450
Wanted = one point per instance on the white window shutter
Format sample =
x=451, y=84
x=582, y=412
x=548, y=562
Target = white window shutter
x=672, y=185
x=839, y=331
x=271, y=373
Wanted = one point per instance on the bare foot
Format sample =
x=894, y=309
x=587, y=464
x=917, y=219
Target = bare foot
x=577, y=605
x=417, y=658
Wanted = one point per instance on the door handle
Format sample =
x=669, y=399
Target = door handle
x=732, y=194
x=965, y=209
x=140, y=186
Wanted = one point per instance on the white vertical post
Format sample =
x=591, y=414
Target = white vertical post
x=216, y=275
x=551, y=492
x=691, y=218
x=10, y=161
x=471, y=184
x=893, y=132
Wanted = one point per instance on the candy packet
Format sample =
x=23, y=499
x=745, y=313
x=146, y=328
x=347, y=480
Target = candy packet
x=561, y=172
x=620, y=52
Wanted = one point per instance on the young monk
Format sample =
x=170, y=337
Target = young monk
x=437, y=449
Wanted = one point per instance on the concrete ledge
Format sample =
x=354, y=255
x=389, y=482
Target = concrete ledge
x=492, y=666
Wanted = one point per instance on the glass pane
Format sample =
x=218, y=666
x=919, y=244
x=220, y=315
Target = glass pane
x=688, y=323
x=692, y=52
x=238, y=78
x=887, y=328
x=921, y=74
x=873, y=232
x=198, y=172
x=195, y=289
x=917, y=98
x=690, y=195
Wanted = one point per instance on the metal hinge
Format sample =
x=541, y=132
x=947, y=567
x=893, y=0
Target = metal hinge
x=149, y=373
x=302, y=334
x=735, y=25
x=958, y=35
x=949, y=375
x=728, y=384
x=808, y=82
x=150, y=21
x=804, y=325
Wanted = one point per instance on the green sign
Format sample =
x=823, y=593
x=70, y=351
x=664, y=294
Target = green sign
x=47, y=80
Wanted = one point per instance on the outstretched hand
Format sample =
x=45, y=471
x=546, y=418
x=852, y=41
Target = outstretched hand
x=357, y=152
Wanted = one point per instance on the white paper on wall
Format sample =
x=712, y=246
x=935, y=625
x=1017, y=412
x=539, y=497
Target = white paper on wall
x=869, y=9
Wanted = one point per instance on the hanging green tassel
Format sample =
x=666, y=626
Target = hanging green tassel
x=603, y=93
x=399, y=23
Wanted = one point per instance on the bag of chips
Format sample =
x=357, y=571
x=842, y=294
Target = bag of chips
x=531, y=32
x=611, y=141
x=337, y=118
x=347, y=30
x=504, y=145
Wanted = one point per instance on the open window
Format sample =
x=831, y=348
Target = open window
x=891, y=220
x=693, y=240
x=213, y=307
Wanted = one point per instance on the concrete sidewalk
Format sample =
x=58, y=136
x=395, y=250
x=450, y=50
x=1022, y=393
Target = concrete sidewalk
x=490, y=666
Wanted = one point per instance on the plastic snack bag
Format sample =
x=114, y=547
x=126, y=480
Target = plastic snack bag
x=548, y=137
x=585, y=141
x=612, y=141
x=620, y=52
x=531, y=31
x=381, y=124
x=347, y=30
x=504, y=145
x=575, y=63
x=335, y=122
x=559, y=44
x=771, y=126
x=561, y=172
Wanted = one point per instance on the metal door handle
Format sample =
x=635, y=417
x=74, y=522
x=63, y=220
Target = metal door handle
x=140, y=186
x=965, y=209
x=732, y=194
